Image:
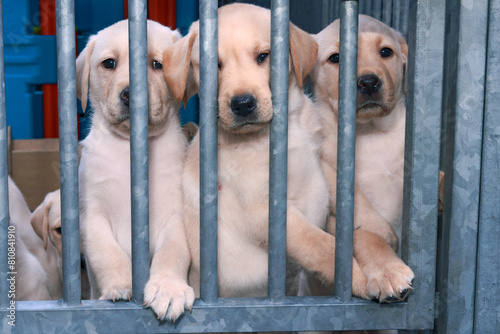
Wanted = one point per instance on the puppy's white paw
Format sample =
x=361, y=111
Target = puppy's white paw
x=168, y=297
x=116, y=292
x=392, y=284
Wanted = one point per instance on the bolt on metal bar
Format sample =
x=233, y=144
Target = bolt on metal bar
x=422, y=142
x=488, y=265
x=138, y=72
x=346, y=148
x=278, y=150
x=4, y=174
x=68, y=150
x=208, y=150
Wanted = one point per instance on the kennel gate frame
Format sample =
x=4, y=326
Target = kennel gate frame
x=307, y=313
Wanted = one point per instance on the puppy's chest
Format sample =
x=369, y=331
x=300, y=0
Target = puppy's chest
x=380, y=171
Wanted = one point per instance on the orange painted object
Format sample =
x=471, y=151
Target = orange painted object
x=162, y=11
x=50, y=109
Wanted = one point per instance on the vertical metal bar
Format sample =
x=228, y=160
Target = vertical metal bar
x=464, y=93
x=68, y=150
x=4, y=174
x=336, y=10
x=396, y=15
x=387, y=12
x=486, y=315
x=377, y=9
x=403, y=26
x=208, y=149
x=278, y=152
x=137, y=13
x=346, y=148
x=365, y=7
x=423, y=125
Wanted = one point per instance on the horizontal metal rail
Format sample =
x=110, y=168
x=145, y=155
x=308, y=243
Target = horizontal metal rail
x=224, y=315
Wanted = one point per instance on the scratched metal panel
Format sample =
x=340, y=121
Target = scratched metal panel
x=487, y=301
x=423, y=124
x=463, y=103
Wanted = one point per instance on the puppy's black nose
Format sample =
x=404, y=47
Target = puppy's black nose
x=369, y=84
x=243, y=105
x=124, y=96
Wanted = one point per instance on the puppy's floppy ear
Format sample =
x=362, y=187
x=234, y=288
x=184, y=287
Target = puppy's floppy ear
x=303, y=52
x=40, y=220
x=176, y=67
x=83, y=71
x=404, y=52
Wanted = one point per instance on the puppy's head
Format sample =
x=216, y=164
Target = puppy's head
x=382, y=55
x=102, y=70
x=46, y=221
x=244, y=46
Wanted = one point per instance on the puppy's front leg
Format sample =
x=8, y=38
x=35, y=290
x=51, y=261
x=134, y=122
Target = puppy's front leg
x=109, y=264
x=167, y=291
x=314, y=250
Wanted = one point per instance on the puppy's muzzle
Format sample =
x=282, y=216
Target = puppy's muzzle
x=243, y=105
x=124, y=97
x=369, y=84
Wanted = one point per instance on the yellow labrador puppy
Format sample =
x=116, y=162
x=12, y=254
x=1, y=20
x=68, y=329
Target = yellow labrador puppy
x=380, y=117
x=104, y=173
x=244, y=114
x=30, y=282
x=46, y=222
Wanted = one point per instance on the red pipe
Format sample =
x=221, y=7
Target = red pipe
x=50, y=110
x=162, y=11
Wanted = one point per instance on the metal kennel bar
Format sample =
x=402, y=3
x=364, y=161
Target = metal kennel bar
x=486, y=318
x=68, y=150
x=278, y=149
x=423, y=126
x=348, y=73
x=4, y=182
x=208, y=150
x=463, y=103
x=470, y=226
x=139, y=157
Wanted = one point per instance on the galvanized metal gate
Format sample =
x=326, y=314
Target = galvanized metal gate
x=454, y=51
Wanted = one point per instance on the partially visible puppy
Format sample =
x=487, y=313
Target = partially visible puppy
x=46, y=222
x=31, y=280
x=244, y=114
x=380, y=131
x=104, y=173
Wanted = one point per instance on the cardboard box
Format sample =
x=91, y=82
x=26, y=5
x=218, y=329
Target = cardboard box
x=34, y=167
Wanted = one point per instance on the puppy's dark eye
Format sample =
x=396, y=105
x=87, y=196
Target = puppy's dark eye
x=334, y=58
x=386, y=52
x=109, y=64
x=219, y=65
x=261, y=57
x=157, y=65
x=58, y=230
